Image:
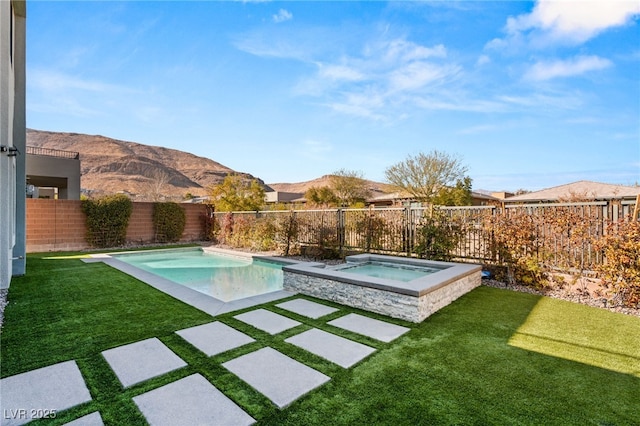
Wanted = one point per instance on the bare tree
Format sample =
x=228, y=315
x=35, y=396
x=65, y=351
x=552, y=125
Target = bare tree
x=159, y=179
x=349, y=187
x=423, y=176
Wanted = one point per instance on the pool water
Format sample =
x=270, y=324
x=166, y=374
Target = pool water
x=389, y=271
x=226, y=278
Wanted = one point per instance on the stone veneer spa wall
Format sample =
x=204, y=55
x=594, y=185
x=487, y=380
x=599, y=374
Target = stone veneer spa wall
x=412, y=301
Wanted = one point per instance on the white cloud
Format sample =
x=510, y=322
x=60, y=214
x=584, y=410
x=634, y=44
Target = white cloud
x=416, y=75
x=542, y=101
x=361, y=104
x=385, y=75
x=391, y=77
x=280, y=48
x=63, y=106
x=483, y=60
x=375, y=79
x=566, y=21
x=482, y=128
x=282, y=16
x=576, y=66
x=65, y=94
x=400, y=50
x=339, y=72
x=278, y=42
x=459, y=102
x=56, y=81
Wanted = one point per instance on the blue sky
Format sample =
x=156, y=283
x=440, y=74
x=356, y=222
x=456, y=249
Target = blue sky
x=526, y=94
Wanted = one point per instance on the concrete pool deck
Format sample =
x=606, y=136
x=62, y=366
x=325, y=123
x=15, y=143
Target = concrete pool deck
x=193, y=399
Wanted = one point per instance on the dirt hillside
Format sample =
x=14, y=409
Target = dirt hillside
x=111, y=166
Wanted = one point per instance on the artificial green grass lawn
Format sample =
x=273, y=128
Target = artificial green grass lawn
x=492, y=357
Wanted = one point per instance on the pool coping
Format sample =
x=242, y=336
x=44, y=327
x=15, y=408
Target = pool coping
x=201, y=301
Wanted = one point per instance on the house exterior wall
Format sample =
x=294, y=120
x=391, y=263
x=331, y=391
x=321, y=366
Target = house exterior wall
x=60, y=225
x=59, y=169
x=12, y=139
x=281, y=197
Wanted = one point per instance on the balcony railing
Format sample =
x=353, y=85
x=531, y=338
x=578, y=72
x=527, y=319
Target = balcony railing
x=35, y=150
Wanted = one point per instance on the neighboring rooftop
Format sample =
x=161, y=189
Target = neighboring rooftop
x=581, y=190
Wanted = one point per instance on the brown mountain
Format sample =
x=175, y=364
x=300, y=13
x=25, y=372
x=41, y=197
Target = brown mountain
x=110, y=166
x=376, y=188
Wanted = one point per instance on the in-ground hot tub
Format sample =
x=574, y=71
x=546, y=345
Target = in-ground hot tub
x=406, y=288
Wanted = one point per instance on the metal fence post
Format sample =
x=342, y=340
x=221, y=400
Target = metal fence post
x=341, y=230
x=408, y=230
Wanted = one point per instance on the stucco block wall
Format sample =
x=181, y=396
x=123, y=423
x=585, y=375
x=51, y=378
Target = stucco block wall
x=140, y=228
x=194, y=228
x=60, y=225
x=55, y=225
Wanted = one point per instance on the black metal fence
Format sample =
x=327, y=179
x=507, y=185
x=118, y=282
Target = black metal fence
x=566, y=230
x=49, y=152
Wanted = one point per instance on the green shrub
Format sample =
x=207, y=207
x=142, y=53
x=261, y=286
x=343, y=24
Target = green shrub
x=235, y=193
x=438, y=236
x=107, y=220
x=169, y=220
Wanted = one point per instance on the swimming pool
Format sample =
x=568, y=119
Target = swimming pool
x=223, y=277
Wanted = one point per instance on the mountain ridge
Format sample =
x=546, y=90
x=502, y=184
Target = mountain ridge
x=149, y=172
x=110, y=165
x=325, y=180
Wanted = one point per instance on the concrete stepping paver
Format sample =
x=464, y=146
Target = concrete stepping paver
x=92, y=419
x=275, y=375
x=370, y=327
x=42, y=392
x=336, y=349
x=190, y=401
x=143, y=360
x=267, y=321
x=307, y=308
x=214, y=338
